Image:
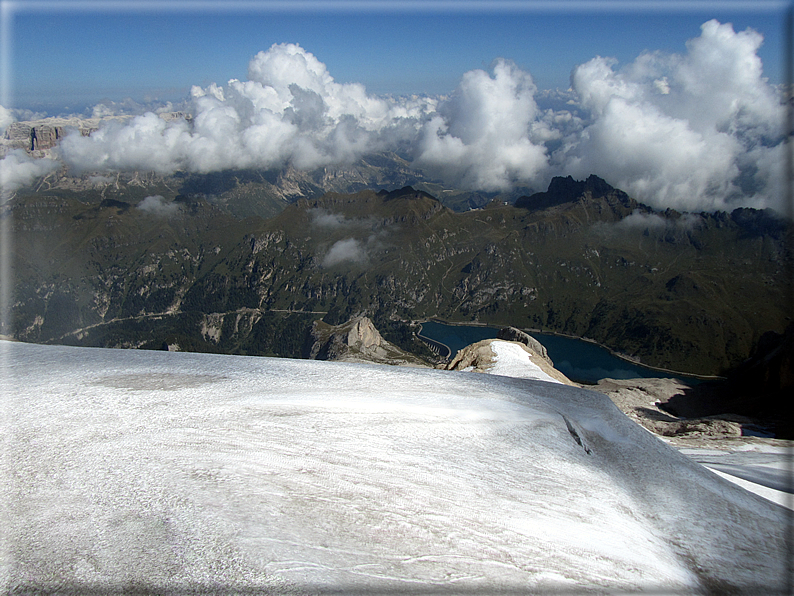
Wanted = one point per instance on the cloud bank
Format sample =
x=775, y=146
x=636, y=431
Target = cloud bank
x=695, y=131
x=651, y=221
x=290, y=111
x=700, y=130
x=18, y=169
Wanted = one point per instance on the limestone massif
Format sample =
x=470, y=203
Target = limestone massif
x=356, y=341
x=37, y=137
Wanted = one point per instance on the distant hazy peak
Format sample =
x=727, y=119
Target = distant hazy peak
x=406, y=192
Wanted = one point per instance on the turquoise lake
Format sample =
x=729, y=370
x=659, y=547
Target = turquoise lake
x=579, y=360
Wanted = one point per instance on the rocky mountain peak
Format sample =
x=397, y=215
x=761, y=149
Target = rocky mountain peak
x=406, y=192
x=357, y=340
x=566, y=190
x=571, y=189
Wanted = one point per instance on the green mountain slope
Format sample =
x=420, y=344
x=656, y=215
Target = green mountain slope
x=690, y=292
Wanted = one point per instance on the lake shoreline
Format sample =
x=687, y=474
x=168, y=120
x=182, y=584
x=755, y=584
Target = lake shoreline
x=529, y=330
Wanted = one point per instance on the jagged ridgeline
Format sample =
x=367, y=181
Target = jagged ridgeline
x=690, y=292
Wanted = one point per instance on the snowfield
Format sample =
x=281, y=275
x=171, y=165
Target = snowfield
x=171, y=472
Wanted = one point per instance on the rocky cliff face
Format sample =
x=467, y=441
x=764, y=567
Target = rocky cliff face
x=356, y=341
x=21, y=135
x=38, y=137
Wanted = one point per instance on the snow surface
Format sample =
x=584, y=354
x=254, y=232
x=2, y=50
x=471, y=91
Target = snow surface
x=762, y=469
x=169, y=472
x=512, y=360
x=765, y=475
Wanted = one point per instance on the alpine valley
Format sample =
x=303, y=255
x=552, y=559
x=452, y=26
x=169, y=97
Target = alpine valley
x=246, y=262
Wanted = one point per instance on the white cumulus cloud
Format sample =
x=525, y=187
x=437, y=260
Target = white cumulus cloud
x=157, y=205
x=348, y=250
x=682, y=131
x=700, y=130
x=18, y=169
x=6, y=119
x=289, y=111
x=323, y=218
x=652, y=221
x=480, y=137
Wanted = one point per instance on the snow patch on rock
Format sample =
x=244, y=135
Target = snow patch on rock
x=506, y=358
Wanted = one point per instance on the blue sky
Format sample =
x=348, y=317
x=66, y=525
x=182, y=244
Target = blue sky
x=68, y=55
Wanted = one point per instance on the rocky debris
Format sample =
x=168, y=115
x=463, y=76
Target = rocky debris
x=356, y=341
x=645, y=401
x=513, y=334
x=756, y=397
x=479, y=357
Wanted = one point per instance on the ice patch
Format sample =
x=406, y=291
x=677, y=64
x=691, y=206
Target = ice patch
x=770, y=494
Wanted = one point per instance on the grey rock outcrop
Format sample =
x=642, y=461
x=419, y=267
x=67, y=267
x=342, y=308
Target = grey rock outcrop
x=513, y=334
x=21, y=135
x=356, y=341
x=646, y=402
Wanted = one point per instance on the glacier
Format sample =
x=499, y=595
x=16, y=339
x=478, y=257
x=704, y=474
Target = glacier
x=171, y=473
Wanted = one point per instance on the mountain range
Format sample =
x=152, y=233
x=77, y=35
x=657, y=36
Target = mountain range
x=147, y=261
x=144, y=265
x=242, y=193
